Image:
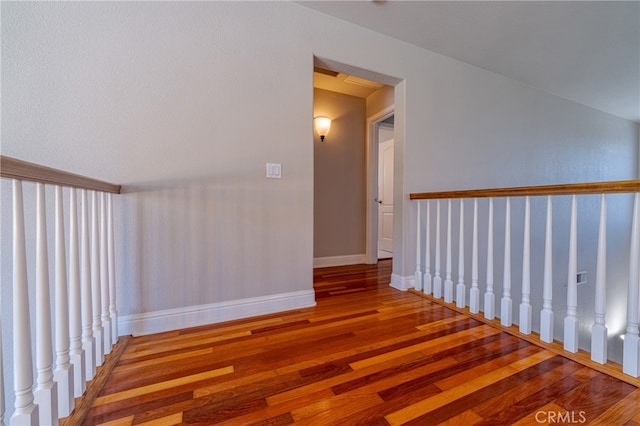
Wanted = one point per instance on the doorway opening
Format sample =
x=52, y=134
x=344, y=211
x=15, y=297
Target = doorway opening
x=385, y=147
x=378, y=122
x=380, y=184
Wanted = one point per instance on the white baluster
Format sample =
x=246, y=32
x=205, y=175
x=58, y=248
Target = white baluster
x=631, y=349
x=96, y=306
x=599, y=328
x=63, y=373
x=88, y=339
x=506, y=305
x=2, y=407
x=448, y=283
x=546, y=315
x=571, y=320
x=437, y=280
x=426, y=283
x=525, y=304
x=104, y=276
x=489, y=297
x=418, y=275
x=26, y=412
x=113, y=310
x=474, y=293
x=461, y=290
x=46, y=391
x=76, y=353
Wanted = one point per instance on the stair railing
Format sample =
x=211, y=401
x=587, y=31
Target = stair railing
x=83, y=311
x=432, y=285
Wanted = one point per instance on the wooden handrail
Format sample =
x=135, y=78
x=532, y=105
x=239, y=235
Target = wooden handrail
x=22, y=170
x=612, y=187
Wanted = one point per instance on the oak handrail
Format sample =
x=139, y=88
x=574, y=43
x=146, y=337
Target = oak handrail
x=611, y=187
x=22, y=170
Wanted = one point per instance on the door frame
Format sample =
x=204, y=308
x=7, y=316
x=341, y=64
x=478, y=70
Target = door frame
x=373, y=122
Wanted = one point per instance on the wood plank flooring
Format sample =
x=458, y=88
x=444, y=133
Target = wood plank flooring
x=367, y=354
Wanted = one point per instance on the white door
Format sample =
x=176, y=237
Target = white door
x=385, y=199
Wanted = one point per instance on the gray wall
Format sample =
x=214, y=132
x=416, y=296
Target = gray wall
x=339, y=177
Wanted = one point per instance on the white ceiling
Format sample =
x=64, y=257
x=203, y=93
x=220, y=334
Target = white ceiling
x=586, y=51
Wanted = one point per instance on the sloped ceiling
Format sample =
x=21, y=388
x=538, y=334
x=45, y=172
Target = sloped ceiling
x=585, y=51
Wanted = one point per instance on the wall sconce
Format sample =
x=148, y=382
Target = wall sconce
x=323, y=125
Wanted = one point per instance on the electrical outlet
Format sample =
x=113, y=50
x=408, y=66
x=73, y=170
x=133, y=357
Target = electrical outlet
x=581, y=277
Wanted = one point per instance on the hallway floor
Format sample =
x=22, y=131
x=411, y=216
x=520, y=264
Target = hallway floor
x=367, y=354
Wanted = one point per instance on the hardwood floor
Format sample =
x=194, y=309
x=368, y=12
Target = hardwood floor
x=367, y=354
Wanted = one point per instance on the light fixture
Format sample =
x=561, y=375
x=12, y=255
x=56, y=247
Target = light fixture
x=323, y=125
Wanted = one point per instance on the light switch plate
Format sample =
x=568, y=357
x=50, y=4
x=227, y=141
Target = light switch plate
x=274, y=171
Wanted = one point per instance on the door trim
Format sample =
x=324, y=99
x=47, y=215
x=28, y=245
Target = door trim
x=371, y=254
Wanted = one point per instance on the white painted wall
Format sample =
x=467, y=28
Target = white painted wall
x=184, y=103
x=161, y=98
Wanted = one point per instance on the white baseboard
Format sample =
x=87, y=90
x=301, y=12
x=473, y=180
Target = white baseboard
x=193, y=316
x=351, y=259
x=402, y=282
